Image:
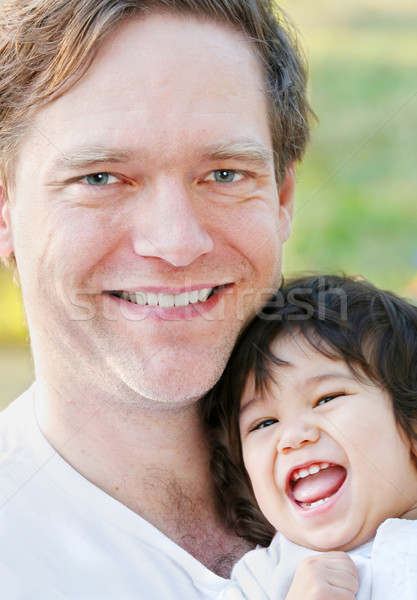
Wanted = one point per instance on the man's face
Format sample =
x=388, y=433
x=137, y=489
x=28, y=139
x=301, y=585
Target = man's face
x=152, y=175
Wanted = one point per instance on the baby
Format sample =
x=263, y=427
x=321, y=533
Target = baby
x=313, y=429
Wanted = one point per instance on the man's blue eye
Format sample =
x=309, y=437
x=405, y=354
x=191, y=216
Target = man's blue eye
x=224, y=176
x=98, y=179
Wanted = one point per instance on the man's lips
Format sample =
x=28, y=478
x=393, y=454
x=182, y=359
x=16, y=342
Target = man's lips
x=168, y=300
x=315, y=483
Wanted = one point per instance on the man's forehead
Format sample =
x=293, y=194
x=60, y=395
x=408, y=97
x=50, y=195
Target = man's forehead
x=167, y=31
x=170, y=52
x=152, y=96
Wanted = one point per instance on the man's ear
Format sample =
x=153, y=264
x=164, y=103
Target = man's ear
x=286, y=203
x=6, y=237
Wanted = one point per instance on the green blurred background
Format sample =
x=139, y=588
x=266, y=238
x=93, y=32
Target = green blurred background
x=356, y=194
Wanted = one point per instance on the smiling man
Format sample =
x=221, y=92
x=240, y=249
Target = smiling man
x=147, y=175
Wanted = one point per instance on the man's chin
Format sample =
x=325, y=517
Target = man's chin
x=170, y=387
x=175, y=374
x=176, y=393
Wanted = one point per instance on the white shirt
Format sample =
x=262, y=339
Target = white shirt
x=61, y=537
x=387, y=567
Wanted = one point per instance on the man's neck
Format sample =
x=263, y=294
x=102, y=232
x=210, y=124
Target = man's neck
x=155, y=462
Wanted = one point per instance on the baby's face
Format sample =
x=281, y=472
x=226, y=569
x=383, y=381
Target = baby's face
x=327, y=460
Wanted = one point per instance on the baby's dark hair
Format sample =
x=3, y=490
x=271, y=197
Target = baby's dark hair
x=373, y=331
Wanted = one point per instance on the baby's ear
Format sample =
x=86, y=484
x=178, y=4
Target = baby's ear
x=6, y=234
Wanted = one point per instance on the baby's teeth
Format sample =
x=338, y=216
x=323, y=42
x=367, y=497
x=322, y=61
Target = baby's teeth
x=194, y=296
x=315, y=503
x=312, y=470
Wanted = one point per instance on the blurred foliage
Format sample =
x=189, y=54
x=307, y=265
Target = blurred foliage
x=355, y=208
x=16, y=369
x=12, y=324
x=355, y=205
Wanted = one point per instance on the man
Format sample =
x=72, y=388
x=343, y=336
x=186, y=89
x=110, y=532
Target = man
x=147, y=153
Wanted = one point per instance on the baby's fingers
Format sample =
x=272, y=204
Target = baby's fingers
x=338, y=563
x=327, y=576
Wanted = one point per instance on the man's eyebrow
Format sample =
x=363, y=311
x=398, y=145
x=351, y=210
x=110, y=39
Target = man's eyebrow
x=242, y=150
x=88, y=156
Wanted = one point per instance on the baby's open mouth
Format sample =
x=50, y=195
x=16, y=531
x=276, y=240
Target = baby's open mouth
x=316, y=484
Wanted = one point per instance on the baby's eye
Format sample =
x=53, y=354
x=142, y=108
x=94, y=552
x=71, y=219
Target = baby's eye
x=329, y=397
x=263, y=424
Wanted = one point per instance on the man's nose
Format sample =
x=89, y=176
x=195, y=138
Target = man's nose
x=172, y=225
x=296, y=434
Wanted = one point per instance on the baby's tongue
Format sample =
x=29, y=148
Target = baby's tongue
x=323, y=484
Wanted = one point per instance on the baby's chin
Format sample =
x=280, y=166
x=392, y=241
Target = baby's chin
x=333, y=539
x=336, y=544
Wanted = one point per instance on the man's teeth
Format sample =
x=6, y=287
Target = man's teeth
x=311, y=470
x=166, y=300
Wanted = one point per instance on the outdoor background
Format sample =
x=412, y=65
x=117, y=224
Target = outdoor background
x=356, y=196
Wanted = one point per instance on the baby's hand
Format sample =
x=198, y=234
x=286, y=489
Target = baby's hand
x=327, y=576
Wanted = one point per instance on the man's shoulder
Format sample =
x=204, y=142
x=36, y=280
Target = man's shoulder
x=17, y=428
x=53, y=522
x=14, y=419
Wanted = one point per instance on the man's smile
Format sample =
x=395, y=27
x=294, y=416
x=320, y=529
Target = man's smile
x=165, y=300
x=168, y=300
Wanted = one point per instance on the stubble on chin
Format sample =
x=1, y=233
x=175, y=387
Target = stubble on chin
x=165, y=381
